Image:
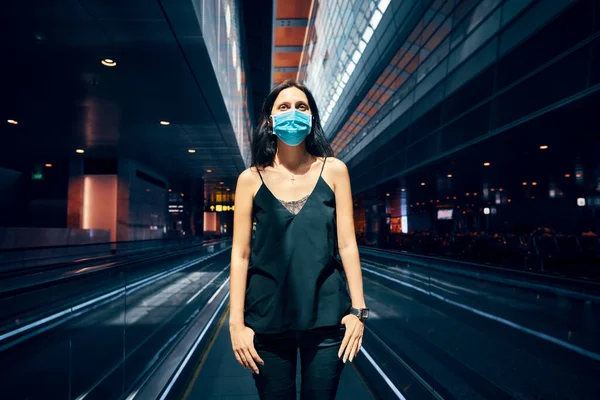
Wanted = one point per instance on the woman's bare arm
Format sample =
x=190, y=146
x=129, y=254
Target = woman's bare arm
x=347, y=246
x=240, y=250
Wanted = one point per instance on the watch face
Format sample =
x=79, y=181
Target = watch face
x=365, y=313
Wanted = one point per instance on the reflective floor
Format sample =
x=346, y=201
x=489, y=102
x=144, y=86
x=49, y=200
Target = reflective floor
x=433, y=333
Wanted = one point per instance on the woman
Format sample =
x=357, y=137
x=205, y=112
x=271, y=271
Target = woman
x=288, y=291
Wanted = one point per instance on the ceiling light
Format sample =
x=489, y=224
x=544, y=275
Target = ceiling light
x=48, y=165
x=170, y=190
x=209, y=170
x=182, y=194
x=387, y=194
x=501, y=189
x=12, y=122
x=422, y=183
x=404, y=190
x=80, y=151
x=534, y=183
x=449, y=175
x=228, y=189
x=165, y=123
x=108, y=62
x=567, y=175
x=487, y=164
x=524, y=183
x=543, y=147
x=191, y=151
x=221, y=183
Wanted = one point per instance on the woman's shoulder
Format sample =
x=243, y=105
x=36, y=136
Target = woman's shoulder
x=249, y=178
x=250, y=175
x=335, y=165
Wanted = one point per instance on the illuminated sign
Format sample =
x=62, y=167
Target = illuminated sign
x=220, y=208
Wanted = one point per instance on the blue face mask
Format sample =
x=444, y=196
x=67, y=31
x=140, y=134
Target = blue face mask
x=292, y=126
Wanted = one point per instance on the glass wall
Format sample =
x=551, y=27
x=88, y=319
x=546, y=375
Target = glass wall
x=339, y=33
x=221, y=31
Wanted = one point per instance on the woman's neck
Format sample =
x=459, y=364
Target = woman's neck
x=291, y=157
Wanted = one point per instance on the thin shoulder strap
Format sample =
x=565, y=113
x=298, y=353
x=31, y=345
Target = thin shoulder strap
x=257, y=170
x=323, y=167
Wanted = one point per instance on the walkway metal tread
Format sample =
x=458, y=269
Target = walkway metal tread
x=221, y=377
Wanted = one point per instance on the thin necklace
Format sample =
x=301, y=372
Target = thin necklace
x=293, y=178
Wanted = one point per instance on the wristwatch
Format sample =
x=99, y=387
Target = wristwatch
x=361, y=313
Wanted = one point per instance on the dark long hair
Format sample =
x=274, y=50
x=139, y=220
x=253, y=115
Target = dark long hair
x=264, y=142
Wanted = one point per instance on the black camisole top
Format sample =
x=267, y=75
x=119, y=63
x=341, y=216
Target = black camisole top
x=295, y=280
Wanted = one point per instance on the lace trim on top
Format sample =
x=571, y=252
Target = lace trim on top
x=294, y=206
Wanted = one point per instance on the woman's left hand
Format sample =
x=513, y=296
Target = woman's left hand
x=352, y=338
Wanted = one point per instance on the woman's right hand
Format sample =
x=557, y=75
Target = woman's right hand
x=242, y=341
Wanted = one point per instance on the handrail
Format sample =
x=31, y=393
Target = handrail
x=89, y=259
x=62, y=246
x=109, y=265
x=565, y=285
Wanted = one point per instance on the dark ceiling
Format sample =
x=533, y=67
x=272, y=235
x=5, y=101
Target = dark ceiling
x=63, y=98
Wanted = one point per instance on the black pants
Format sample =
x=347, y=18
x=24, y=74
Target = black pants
x=320, y=366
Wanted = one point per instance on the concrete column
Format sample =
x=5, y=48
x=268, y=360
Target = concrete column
x=376, y=230
x=197, y=207
x=75, y=193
